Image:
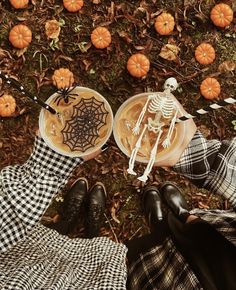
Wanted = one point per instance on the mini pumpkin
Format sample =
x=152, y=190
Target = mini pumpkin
x=19, y=4
x=164, y=23
x=20, y=36
x=101, y=37
x=205, y=53
x=73, y=5
x=222, y=15
x=63, y=78
x=138, y=65
x=210, y=88
x=7, y=105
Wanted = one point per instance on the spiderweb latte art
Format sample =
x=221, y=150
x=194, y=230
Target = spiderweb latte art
x=81, y=132
x=83, y=126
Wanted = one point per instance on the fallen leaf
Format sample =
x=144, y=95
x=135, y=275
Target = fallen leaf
x=227, y=66
x=205, y=130
x=169, y=52
x=52, y=29
x=113, y=215
x=20, y=52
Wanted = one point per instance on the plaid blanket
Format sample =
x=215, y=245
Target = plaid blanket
x=211, y=165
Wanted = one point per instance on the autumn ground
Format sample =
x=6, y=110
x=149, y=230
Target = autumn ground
x=131, y=26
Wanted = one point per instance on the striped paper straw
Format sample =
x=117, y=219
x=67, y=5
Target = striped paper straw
x=20, y=88
x=208, y=109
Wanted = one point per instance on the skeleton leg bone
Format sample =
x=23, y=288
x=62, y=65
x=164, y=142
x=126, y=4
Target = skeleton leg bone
x=134, y=152
x=151, y=162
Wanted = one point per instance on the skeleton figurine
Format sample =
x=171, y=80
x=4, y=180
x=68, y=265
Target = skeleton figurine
x=164, y=107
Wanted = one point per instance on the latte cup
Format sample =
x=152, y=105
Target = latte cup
x=82, y=126
x=125, y=120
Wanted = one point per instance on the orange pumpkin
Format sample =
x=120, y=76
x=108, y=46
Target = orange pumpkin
x=210, y=88
x=20, y=36
x=18, y=4
x=101, y=37
x=205, y=53
x=73, y=5
x=138, y=65
x=222, y=15
x=7, y=105
x=164, y=23
x=63, y=78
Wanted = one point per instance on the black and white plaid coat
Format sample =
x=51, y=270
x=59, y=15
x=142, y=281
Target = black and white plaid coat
x=209, y=164
x=35, y=257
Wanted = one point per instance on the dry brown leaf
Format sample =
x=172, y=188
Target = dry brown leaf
x=113, y=215
x=52, y=29
x=20, y=52
x=125, y=35
x=227, y=66
x=205, y=130
x=169, y=52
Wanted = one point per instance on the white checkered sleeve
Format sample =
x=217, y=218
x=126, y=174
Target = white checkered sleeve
x=27, y=190
x=211, y=164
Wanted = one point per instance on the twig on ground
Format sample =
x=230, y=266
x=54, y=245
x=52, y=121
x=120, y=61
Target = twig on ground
x=135, y=233
x=111, y=227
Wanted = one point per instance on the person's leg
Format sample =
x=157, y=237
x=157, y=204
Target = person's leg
x=73, y=201
x=211, y=256
x=145, y=243
x=96, y=208
x=159, y=227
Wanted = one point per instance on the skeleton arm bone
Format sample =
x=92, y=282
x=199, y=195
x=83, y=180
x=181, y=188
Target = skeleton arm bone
x=140, y=118
x=166, y=142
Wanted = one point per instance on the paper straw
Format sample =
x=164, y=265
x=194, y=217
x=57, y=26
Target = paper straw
x=208, y=109
x=20, y=88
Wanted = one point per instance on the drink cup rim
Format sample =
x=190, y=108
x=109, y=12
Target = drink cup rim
x=138, y=158
x=63, y=152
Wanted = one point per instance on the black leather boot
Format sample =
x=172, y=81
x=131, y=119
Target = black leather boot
x=152, y=205
x=72, y=205
x=175, y=201
x=96, y=209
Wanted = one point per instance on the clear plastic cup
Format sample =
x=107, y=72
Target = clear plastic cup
x=163, y=154
x=68, y=152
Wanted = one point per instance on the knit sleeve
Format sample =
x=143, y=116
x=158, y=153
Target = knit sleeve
x=211, y=164
x=27, y=190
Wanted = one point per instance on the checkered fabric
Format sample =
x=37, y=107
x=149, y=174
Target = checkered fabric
x=27, y=190
x=163, y=267
x=35, y=257
x=211, y=164
x=47, y=260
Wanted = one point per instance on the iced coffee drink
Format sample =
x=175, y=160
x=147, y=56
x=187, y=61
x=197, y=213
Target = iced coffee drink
x=125, y=120
x=83, y=123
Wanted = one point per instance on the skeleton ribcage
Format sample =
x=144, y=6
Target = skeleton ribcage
x=163, y=104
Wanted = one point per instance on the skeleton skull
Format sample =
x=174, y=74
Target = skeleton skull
x=171, y=84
